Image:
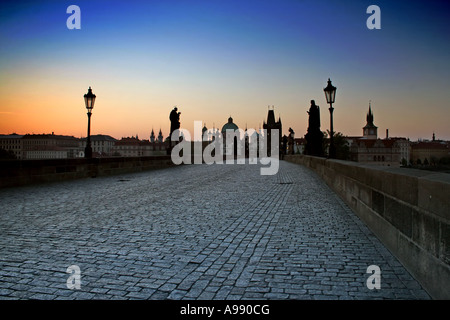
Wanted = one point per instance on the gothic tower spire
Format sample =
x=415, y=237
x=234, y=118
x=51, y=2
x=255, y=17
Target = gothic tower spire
x=369, y=117
x=370, y=130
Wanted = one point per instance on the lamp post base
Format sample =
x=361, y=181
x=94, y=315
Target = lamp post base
x=88, y=152
x=332, y=148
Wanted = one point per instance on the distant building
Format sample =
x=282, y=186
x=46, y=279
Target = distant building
x=376, y=151
x=128, y=147
x=431, y=152
x=101, y=144
x=12, y=143
x=372, y=150
x=405, y=149
x=133, y=147
x=50, y=146
x=50, y=152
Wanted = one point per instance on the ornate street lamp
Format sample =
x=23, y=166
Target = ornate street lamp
x=89, y=100
x=330, y=94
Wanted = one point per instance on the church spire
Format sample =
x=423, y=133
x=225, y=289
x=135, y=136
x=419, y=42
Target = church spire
x=370, y=130
x=369, y=117
x=152, y=136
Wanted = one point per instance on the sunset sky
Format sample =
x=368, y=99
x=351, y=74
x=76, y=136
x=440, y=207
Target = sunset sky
x=215, y=59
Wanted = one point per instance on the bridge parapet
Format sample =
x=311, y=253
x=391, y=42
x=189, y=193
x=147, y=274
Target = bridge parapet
x=23, y=172
x=407, y=209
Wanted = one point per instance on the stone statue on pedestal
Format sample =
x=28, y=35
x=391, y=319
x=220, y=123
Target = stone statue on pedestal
x=314, y=137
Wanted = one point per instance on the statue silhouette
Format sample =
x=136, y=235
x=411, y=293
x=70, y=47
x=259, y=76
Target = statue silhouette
x=314, y=117
x=314, y=137
x=174, y=120
x=291, y=141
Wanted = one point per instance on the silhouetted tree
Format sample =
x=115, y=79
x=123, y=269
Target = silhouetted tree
x=404, y=162
x=434, y=160
x=340, y=144
x=7, y=154
x=342, y=148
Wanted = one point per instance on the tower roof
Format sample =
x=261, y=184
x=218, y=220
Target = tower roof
x=369, y=118
x=271, y=123
x=230, y=125
x=271, y=118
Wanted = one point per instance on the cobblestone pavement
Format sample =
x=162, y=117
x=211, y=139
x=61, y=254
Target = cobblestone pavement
x=192, y=232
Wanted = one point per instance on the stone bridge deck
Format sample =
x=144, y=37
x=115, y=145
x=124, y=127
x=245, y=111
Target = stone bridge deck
x=192, y=232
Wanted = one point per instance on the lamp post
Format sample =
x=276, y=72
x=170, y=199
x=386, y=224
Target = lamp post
x=330, y=94
x=89, y=100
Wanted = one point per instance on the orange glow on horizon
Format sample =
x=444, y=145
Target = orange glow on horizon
x=38, y=112
x=124, y=109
